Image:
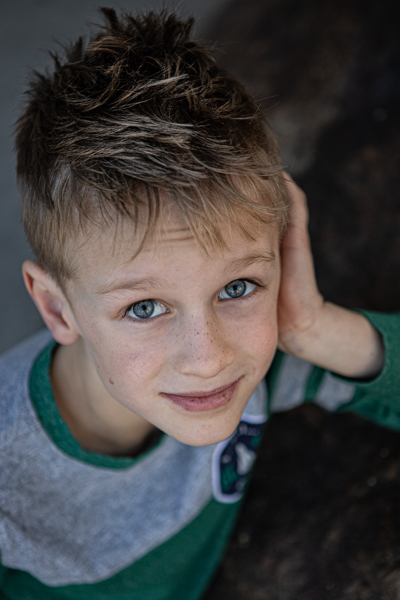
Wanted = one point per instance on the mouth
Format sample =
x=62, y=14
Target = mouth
x=202, y=401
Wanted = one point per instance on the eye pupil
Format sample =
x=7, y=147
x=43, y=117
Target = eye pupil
x=143, y=309
x=236, y=288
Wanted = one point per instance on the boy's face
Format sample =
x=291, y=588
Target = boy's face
x=180, y=338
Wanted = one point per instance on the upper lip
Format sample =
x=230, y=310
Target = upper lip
x=204, y=394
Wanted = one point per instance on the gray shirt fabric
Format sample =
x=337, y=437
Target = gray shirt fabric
x=65, y=521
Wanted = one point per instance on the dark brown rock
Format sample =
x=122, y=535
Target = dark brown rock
x=321, y=520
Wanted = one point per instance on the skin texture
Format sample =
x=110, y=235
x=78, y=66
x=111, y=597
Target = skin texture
x=113, y=375
x=112, y=372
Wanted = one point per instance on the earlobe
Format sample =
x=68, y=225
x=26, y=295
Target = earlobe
x=51, y=302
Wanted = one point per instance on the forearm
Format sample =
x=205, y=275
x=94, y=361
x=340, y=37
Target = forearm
x=339, y=340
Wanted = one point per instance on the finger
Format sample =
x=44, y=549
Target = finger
x=299, y=212
x=296, y=234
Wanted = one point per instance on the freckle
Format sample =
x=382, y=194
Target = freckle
x=111, y=381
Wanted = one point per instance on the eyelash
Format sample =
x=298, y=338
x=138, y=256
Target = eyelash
x=156, y=302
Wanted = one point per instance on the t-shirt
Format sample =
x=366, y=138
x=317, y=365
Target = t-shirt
x=81, y=525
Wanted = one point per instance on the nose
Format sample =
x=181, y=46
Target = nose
x=205, y=350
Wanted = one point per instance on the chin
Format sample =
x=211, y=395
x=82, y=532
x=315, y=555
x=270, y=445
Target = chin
x=210, y=435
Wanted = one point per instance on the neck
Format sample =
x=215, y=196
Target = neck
x=97, y=421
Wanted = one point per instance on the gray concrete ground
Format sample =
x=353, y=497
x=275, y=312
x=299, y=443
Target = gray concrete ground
x=28, y=28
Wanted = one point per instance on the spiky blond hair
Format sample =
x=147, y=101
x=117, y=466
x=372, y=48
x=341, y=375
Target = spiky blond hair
x=139, y=110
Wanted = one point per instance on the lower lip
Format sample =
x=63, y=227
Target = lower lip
x=203, y=403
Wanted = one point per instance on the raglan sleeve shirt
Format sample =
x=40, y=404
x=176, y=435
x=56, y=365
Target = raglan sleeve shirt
x=76, y=525
x=293, y=381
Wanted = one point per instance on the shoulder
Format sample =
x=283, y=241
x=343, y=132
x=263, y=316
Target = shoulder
x=15, y=366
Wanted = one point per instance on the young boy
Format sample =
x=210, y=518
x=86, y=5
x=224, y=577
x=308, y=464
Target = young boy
x=154, y=200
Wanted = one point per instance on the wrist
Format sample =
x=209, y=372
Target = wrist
x=342, y=341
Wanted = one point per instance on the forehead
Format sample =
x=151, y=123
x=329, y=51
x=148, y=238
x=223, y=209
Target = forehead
x=110, y=253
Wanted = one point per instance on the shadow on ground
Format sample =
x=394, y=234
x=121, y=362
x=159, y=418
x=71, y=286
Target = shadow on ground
x=322, y=520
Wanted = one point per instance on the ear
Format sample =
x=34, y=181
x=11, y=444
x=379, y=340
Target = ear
x=51, y=303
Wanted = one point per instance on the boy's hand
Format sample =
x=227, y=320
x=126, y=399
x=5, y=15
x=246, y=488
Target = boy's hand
x=300, y=302
x=310, y=328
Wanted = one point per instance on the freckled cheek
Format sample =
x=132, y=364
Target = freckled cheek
x=125, y=370
x=268, y=343
x=260, y=337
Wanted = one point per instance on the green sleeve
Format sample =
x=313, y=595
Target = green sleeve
x=292, y=382
x=379, y=398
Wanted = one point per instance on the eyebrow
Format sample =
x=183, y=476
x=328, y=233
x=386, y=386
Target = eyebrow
x=251, y=259
x=144, y=283
x=132, y=284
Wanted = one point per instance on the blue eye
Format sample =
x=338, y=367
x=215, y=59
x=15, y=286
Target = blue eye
x=146, y=309
x=237, y=289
